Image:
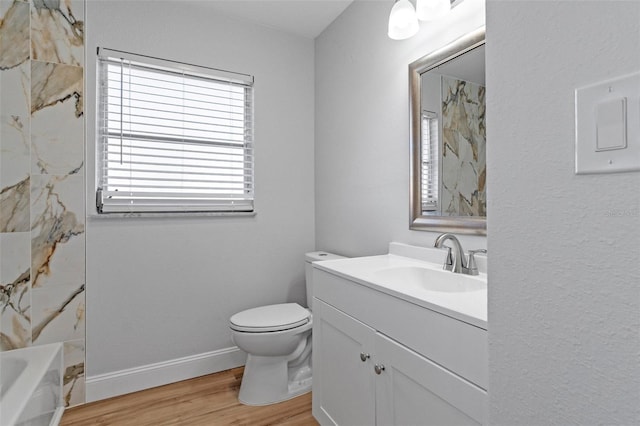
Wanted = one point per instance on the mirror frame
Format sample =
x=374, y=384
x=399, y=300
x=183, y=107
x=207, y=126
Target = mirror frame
x=418, y=221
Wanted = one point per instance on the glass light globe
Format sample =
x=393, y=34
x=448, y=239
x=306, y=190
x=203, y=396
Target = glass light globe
x=403, y=22
x=430, y=10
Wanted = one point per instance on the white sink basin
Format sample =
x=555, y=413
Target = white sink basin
x=415, y=274
x=430, y=279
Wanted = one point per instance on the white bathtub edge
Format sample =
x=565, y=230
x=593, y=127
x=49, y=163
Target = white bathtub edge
x=108, y=385
x=39, y=358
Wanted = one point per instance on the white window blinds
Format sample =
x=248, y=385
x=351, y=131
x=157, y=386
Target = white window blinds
x=172, y=137
x=430, y=143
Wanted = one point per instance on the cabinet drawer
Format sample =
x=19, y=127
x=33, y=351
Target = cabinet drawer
x=451, y=343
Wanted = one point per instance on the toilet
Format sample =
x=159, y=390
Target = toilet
x=277, y=340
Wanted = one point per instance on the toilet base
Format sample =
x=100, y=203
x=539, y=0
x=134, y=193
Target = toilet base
x=269, y=380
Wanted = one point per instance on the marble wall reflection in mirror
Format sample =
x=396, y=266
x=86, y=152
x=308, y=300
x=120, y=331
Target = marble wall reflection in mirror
x=448, y=138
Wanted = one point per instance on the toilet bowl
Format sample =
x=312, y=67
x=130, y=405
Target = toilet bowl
x=277, y=340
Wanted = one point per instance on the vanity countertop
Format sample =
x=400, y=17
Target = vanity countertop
x=467, y=306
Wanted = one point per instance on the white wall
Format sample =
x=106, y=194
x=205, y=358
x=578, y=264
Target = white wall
x=564, y=332
x=160, y=289
x=564, y=295
x=362, y=127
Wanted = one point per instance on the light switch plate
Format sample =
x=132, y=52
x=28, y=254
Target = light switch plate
x=611, y=125
x=608, y=126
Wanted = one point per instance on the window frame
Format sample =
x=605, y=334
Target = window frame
x=201, y=202
x=429, y=161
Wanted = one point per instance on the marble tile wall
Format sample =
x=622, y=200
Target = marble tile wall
x=42, y=219
x=463, y=190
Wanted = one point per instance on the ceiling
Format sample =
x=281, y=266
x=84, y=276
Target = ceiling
x=306, y=18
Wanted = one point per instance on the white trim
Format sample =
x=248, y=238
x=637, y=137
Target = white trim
x=121, y=382
x=57, y=416
x=193, y=69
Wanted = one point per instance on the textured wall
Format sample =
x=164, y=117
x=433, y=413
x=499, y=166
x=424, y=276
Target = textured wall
x=42, y=221
x=564, y=269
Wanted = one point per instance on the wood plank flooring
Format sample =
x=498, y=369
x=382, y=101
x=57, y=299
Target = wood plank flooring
x=203, y=401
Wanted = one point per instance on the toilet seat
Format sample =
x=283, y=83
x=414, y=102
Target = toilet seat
x=270, y=318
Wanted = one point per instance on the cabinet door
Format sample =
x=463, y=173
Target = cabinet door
x=343, y=384
x=411, y=390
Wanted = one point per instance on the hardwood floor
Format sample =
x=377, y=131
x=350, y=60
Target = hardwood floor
x=207, y=400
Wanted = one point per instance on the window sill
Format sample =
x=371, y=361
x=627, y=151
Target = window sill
x=107, y=216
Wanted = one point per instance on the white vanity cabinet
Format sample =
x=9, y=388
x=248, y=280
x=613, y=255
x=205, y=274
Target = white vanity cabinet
x=372, y=365
x=343, y=376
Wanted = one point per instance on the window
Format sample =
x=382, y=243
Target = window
x=172, y=137
x=429, y=148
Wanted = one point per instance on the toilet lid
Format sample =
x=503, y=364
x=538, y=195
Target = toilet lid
x=264, y=319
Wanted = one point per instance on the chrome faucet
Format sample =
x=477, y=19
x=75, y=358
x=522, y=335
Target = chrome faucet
x=458, y=263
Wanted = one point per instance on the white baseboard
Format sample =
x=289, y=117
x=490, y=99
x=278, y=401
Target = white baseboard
x=121, y=382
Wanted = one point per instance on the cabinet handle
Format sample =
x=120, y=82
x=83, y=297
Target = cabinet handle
x=378, y=368
x=364, y=357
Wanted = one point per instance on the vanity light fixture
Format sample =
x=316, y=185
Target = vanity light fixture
x=403, y=19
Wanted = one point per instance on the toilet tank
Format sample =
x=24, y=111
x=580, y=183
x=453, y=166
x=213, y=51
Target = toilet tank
x=309, y=258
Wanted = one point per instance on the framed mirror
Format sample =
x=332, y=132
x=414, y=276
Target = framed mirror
x=448, y=138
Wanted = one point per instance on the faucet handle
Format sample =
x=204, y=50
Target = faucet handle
x=448, y=261
x=472, y=252
x=472, y=268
